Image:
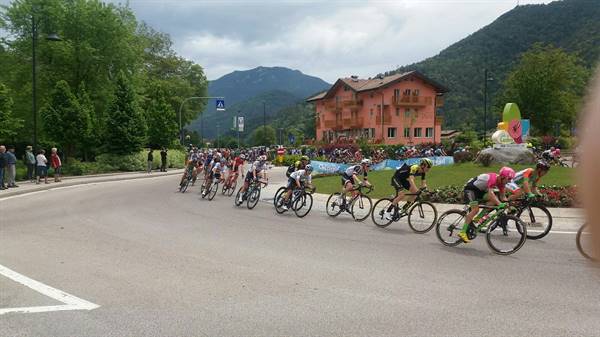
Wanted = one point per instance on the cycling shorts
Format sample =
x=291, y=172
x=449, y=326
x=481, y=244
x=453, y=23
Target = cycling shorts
x=346, y=178
x=401, y=184
x=249, y=177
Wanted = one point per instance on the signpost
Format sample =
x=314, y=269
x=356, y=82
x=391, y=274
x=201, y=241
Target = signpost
x=220, y=99
x=220, y=104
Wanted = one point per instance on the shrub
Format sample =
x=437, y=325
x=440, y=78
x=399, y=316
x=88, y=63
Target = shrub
x=74, y=167
x=127, y=162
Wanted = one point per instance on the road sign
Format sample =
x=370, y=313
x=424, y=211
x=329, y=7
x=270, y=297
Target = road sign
x=240, y=124
x=220, y=105
x=234, y=123
x=291, y=138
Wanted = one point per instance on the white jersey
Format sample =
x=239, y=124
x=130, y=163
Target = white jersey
x=352, y=170
x=300, y=175
x=257, y=166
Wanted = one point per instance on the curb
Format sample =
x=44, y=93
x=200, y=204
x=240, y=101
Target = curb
x=84, y=181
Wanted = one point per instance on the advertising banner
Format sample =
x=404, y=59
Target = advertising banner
x=321, y=167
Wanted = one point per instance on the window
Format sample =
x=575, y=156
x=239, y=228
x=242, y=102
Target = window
x=325, y=136
x=429, y=133
x=418, y=132
x=372, y=133
x=396, y=92
x=397, y=111
x=416, y=92
x=406, y=132
x=365, y=133
x=391, y=132
x=406, y=92
x=407, y=113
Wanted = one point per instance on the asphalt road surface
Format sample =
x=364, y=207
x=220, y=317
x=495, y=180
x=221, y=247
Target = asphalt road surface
x=161, y=263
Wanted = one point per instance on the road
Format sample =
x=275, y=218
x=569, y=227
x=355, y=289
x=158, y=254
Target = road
x=161, y=263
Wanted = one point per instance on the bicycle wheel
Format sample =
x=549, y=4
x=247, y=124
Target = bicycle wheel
x=538, y=221
x=237, y=201
x=224, y=189
x=506, y=235
x=253, y=198
x=184, y=185
x=302, y=205
x=378, y=214
x=449, y=225
x=584, y=243
x=333, y=209
x=231, y=188
x=279, y=191
x=202, y=189
x=213, y=191
x=279, y=198
x=361, y=207
x=422, y=216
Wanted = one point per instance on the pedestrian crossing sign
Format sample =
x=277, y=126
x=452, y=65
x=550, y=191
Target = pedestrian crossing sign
x=220, y=105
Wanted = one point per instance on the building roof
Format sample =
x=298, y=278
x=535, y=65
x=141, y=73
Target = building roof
x=362, y=85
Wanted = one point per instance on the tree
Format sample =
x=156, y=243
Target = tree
x=92, y=140
x=65, y=122
x=9, y=125
x=162, y=128
x=263, y=136
x=547, y=84
x=125, y=124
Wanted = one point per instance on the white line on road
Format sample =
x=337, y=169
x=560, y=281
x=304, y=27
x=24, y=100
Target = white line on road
x=70, y=302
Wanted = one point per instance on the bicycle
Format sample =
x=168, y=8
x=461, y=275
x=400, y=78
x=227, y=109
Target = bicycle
x=533, y=215
x=356, y=206
x=300, y=202
x=418, y=212
x=230, y=185
x=583, y=241
x=183, y=186
x=251, y=195
x=505, y=235
x=212, y=189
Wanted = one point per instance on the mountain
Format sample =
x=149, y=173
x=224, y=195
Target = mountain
x=245, y=91
x=573, y=25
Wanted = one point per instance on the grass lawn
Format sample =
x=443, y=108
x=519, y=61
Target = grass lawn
x=439, y=176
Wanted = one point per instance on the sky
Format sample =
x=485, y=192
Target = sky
x=325, y=38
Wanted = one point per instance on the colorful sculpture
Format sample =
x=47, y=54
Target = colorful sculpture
x=512, y=129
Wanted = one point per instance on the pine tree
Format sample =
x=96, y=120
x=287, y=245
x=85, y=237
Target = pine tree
x=125, y=125
x=162, y=128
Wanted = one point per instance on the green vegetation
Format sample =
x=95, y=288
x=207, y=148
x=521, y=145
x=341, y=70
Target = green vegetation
x=440, y=176
x=572, y=25
x=108, y=67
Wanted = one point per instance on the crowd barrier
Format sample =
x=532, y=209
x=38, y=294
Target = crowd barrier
x=323, y=167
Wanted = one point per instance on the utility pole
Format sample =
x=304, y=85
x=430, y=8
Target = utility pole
x=237, y=126
x=485, y=74
x=265, y=122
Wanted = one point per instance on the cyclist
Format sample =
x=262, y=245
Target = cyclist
x=298, y=165
x=298, y=179
x=257, y=168
x=350, y=177
x=481, y=189
x=404, y=178
x=527, y=180
x=214, y=172
x=190, y=166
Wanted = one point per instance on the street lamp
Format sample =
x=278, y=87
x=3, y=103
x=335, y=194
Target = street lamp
x=485, y=99
x=265, y=122
x=49, y=37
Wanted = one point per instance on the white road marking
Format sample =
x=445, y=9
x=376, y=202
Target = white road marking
x=70, y=302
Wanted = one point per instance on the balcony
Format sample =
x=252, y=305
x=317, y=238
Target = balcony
x=387, y=119
x=415, y=101
x=352, y=103
x=439, y=102
x=334, y=124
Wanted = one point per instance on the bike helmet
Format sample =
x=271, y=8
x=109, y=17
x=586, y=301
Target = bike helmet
x=542, y=164
x=242, y=156
x=426, y=162
x=262, y=158
x=309, y=168
x=507, y=172
x=366, y=161
x=304, y=158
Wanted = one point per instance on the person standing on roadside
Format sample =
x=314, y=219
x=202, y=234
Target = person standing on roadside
x=29, y=159
x=2, y=166
x=150, y=160
x=56, y=165
x=163, y=160
x=11, y=165
x=41, y=167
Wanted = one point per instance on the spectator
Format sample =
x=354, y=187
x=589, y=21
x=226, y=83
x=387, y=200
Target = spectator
x=2, y=166
x=29, y=159
x=163, y=160
x=56, y=165
x=41, y=167
x=150, y=160
x=11, y=167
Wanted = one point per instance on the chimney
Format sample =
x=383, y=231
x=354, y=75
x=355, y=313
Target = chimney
x=354, y=78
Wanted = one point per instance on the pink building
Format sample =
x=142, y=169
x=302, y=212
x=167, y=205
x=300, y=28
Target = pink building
x=352, y=108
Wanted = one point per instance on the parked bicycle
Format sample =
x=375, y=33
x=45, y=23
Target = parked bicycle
x=251, y=195
x=422, y=215
x=584, y=243
x=300, y=202
x=505, y=235
x=359, y=205
x=536, y=217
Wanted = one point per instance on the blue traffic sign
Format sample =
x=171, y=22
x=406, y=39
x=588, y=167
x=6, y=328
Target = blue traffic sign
x=220, y=105
x=291, y=138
